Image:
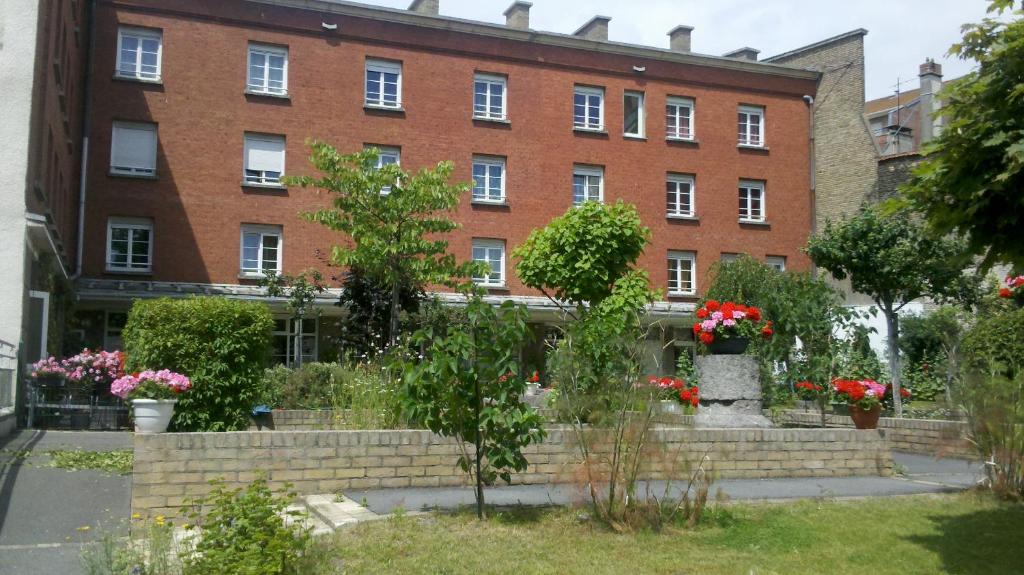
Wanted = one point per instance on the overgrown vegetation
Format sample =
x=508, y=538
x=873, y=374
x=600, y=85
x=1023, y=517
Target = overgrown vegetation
x=219, y=343
x=117, y=461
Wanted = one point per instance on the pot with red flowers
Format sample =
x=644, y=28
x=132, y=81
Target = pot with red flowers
x=152, y=395
x=809, y=395
x=728, y=327
x=673, y=394
x=864, y=398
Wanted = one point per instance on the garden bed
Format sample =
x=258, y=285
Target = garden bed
x=925, y=436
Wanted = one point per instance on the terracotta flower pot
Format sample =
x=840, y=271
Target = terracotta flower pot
x=865, y=419
x=731, y=346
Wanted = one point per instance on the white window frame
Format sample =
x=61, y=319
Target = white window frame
x=126, y=169
x=728, y=257
x=743, y=128
x=139, y=34
x=262, y=179
x=294, y=334
x=488, y=162
x=588, y=124
x=383, y=67
x=263, y=230
x=588, y=172
x=673, y=124
x=745, y=195
x=675, y=258
x=490, y=80
x=680, y=179
x=488, y=245
x=266, y=51
x=130, y=224
x=776, y=262
x=388, y=151
x=641, y=114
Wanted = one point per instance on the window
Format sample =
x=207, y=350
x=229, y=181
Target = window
x=129, y=245
x=681, y=278
x=633, y=114
x=383, y=84
x=489, y=97
x=385, y=157
x=268, y=70
x=294, y=341
x=679, y=119
x=679, y=196
x=729, y=257
x=488, y=179
x=751, y=126
x=261, y=249
x=588, y=108
x=138, y=54
x=491, y=252
x=133, y=149
x=113, y=326
x=264, y=159
x=751, y=201
x=587, y=185
x=776, y=262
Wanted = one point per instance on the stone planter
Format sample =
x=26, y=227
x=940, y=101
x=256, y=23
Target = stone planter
x=730, y=392
x=865, y=418
x=152, y=415
x=670, y=406
x=532, y=389
x=808, y=405
x=731, y=346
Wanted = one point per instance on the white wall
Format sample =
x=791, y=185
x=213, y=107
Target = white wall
x=877, y=321
x=18, y=23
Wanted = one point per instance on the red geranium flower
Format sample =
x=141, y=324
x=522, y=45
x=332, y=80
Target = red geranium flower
x=1005, y=292
x=685, y=395
x=702, y=313
x=706, y=338
x=696, y=328
x=535, y=377
x=754, y=313
x=712, y=305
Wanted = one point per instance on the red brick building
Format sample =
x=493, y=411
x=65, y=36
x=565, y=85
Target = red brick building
x=198, y=107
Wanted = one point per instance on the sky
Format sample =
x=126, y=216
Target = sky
x=901, y=33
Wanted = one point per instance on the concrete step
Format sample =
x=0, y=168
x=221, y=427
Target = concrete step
x=338, y=511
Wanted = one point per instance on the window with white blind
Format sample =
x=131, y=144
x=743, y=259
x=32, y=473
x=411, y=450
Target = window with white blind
x=679, y=196
x=777, y=263
x=383, y=84
x=139, y=52
x=587, y=184
x=682, y=279
x=489, y=93
x=588, y=108
x=633, y=114
x=488, y=179
x=492, y=253
x=268, y=70
x=133, y=149
x=679, y=118
x=261, y=249
x=129, y=245
x=751, y=126
x=751, y=201
x=264, y=159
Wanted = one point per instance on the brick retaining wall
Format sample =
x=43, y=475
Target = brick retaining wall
x=171, y=466
x=926, y=436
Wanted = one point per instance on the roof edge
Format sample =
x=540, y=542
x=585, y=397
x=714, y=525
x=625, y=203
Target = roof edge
x=818, y=44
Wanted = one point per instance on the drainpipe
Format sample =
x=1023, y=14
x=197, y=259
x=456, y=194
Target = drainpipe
x=86, y=127
x=809, y=100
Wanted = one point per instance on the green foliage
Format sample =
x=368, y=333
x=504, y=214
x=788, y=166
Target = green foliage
x=994, y=346
x=580, y=256
x=468, y=387
x=971, y=180
x=685, y=370
x=220, y=343
x=150, y=550
x=367, y=304
x=931, y=333
x=243, y=532
x=925, y=377
x=117, y=461
x=398, y=237
x=300, y=291
x=994, y=405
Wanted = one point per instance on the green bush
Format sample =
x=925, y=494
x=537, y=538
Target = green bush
x=221, y=344
x=995, y=344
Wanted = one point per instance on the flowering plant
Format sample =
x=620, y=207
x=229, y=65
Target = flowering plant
x=729, y=320
x=1014, y=288
x=48, y=366
x=99, y=368
x=865, y=393
x=163, y=384
x=673, y=388
x=887, y=397
x=808, y=391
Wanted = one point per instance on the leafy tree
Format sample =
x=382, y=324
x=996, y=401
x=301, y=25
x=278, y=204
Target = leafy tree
x=396, y=221
x=300, y=292
x=971, y=180
x=892, y=260
x=469, y=388
x=367, y=304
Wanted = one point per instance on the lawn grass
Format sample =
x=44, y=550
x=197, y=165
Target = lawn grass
x=959, y=534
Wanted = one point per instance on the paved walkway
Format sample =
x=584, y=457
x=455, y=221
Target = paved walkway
x=41, y=507
x=921, y=474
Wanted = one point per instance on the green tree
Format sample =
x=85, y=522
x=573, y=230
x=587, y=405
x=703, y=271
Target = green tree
x=469, y=388
x=890, y=258
x=367, y=304
x=396, y=221
x=971, y=180
x=300, y=294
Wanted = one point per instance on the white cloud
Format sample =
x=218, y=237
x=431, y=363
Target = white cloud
x=901, y=33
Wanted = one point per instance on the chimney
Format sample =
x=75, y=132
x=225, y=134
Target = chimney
x=930, y=74
x=595, y=29
x=428, y=7
x=745, y=53
x=679, y=38
x=518, y=15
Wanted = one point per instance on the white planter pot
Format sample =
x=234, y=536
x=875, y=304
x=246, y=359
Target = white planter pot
x=532, y=389
x=671, y=406
x=152, y=415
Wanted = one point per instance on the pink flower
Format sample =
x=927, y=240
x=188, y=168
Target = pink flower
x=717, y=316
x=708, y=325
x=729, y=322
x=739, y=314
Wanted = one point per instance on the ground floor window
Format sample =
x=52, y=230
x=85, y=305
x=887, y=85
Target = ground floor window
x=295, y=341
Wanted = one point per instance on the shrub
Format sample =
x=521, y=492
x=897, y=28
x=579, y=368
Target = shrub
x=221, y=344
x=995, y=344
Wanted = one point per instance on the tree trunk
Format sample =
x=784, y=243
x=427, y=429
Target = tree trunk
x=479, y=453
x=396, y=292
x=892, y=321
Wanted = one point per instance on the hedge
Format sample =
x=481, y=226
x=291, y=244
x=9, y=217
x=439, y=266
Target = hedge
x=221, y=344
